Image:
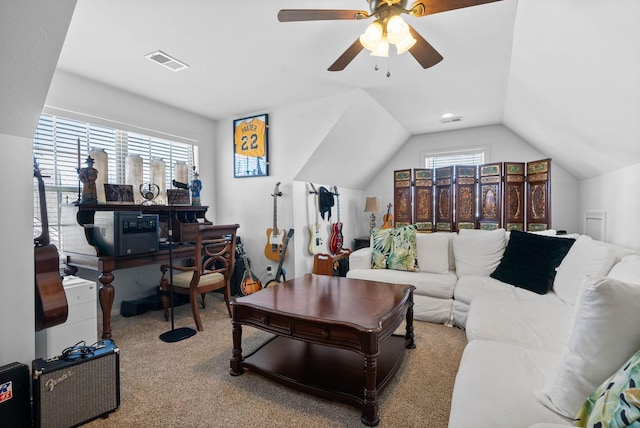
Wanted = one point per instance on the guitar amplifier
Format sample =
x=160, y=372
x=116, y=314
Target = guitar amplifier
x=15, y=396
x=80, y=385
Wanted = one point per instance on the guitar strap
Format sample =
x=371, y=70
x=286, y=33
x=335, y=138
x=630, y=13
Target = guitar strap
x=325, y=201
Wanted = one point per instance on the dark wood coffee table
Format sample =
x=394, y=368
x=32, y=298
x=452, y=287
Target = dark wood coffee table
x=334, y=336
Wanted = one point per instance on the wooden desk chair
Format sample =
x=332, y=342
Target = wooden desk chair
x=215, y=249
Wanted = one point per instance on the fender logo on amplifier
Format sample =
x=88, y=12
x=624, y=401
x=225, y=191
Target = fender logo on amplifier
x=51, y=383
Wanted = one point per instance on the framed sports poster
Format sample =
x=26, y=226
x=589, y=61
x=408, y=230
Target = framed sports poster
x=251, y=146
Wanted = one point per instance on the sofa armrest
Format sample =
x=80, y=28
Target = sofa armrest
x=360, y=259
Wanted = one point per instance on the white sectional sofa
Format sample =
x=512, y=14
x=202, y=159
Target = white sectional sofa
x=533, y=356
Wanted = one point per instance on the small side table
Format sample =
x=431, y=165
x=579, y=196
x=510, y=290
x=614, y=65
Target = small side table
x=361, y=242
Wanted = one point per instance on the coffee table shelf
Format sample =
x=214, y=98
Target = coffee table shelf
x=324, y=371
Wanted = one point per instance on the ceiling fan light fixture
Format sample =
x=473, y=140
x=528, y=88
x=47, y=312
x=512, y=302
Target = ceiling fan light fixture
x=396, y=29
x=372, y=36
x=405, y=44
x=382, y=49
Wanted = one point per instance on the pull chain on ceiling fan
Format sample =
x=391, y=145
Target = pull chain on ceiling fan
x=388, y=28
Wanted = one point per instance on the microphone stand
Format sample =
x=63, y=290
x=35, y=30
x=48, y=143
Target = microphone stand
x=175, y=334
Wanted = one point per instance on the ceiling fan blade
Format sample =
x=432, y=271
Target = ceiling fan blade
x=423, y=52
x=348, y=56
x=289, y=15
x=422, y=8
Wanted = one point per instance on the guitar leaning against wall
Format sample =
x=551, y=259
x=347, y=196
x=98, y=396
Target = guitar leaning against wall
x=280, y=271
x=250, y=282
x=51, y=307
x=337, y=239
x=275, y=236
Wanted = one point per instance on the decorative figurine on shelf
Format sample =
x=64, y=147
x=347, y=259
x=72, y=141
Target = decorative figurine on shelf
x=88, y=178
x=149, y=192
x=196, y=186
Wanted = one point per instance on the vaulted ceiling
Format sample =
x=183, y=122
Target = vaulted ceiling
x=563, y=74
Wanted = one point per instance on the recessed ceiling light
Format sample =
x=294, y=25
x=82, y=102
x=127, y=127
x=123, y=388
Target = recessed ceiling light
x=166, y=61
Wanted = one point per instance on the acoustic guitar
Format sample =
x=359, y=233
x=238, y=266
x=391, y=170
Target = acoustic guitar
x=315, y=243
x=387, y=219
x=275, y=236
x=336, y=239
x=250, y=283
x=280, y=272
x=51, y=301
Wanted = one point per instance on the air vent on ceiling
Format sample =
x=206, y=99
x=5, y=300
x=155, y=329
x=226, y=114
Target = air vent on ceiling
x=450, y=119
x=166, y=61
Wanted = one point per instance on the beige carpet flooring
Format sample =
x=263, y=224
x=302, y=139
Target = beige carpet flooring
x=187, y=383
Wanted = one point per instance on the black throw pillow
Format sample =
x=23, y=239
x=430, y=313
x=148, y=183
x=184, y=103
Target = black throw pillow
x=530, y=260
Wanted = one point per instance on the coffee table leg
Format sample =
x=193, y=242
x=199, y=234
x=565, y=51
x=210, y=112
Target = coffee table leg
x=370, y=411
x=408, y=337
x=236, y=357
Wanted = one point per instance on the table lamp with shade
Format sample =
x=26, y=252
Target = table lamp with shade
x=372, y=205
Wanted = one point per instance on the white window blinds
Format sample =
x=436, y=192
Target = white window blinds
x=455, y=158
x=55, y=150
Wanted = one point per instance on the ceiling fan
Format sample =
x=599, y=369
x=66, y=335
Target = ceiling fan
x=388, y=27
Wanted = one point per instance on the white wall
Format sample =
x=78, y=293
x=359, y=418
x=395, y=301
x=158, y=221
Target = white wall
x=615, y=193
x=32, y=35
x=17, y=316
x=503, y=145
x=295, y=132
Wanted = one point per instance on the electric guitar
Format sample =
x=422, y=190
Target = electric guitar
x=250, y=283
x=336, y=240
x=315, y=243
x=274, y=235
x=51, y=306
x=280, y=272
x=387, y=219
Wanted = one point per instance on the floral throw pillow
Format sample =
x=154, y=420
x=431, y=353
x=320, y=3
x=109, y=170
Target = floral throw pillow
x=616, y=403
x=394, y=248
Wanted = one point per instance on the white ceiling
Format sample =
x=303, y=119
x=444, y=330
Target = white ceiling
x=574, y=64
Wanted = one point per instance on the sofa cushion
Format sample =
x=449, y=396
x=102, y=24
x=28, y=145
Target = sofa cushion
x=604, y=335
x=433, y=252
x=627, y=269
x=517, y=320
x=439, y=285
x=530, y=260
x=470, y=287
x=616, y=402
x=586, y=257
x=394, y=248
x=494, y=384
x=478, y=252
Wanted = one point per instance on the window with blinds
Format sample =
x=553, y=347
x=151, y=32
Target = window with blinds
x=438, y=160
x=55, y=151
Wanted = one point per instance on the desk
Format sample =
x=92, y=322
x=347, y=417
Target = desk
x=79, y=251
